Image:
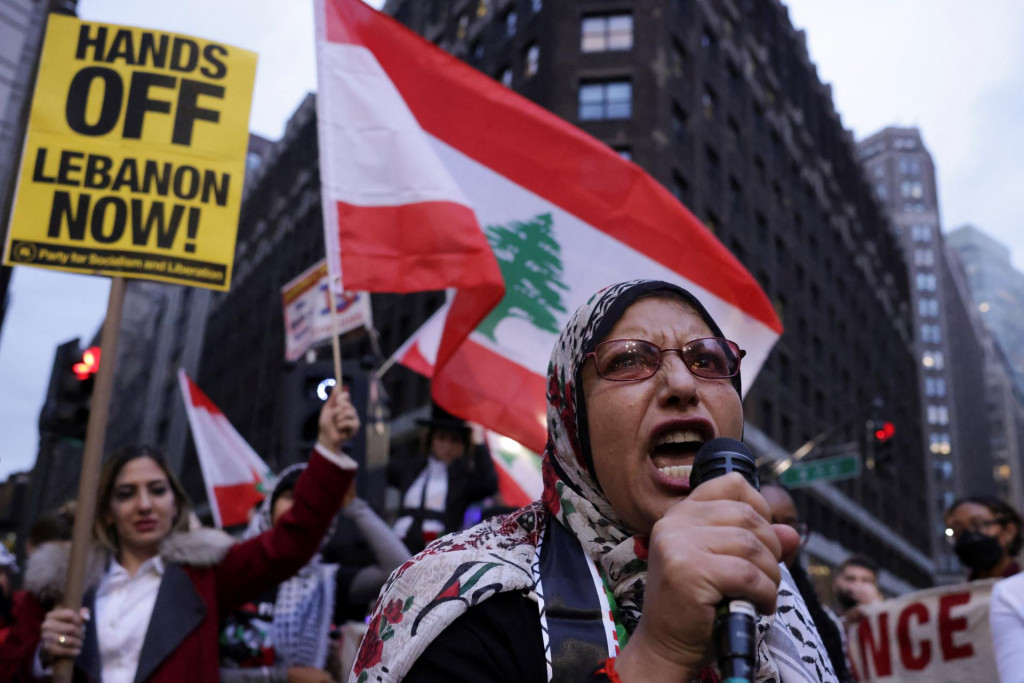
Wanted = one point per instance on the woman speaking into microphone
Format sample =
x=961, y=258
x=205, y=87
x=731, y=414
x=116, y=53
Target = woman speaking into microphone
x=616, y=574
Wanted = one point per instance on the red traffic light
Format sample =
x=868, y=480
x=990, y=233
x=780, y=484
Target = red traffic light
x=885, y=432
x=89, y=364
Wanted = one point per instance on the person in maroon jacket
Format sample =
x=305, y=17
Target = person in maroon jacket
x=153, y=607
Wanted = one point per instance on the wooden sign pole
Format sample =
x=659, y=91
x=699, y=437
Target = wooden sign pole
x=92, y=459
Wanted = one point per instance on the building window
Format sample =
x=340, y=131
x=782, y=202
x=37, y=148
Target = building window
x=678, y=57
x=912, y=189
x=910, y=166
x=679, y=119
x=709, y=43
x=732, y=134
x=624, y=153
x=482, y=8
x=928, y=308
x=606, y=100
x=881, y=191
x=938, y=415
x=735, y=194
x=930, y=334
x=478, y=52
x=924, y=257
x=680, y=188
x=607, y=33
x=506, y=77
x=933, y=360
x=532, y=60
x=511, y=19
x=940, y=445
x=463, y=27
x=713, y=165
x=934, y=387
x=537, y=5
x=921, y=233
x=707, y=102
x=925, y=282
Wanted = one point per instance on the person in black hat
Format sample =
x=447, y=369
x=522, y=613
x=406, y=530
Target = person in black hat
x=438, y=486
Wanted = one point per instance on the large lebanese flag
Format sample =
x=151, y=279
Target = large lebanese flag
x=564, y=214
x=395, y=219
x=235, y=477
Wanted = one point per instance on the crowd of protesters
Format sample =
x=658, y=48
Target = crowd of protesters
x=169, y=600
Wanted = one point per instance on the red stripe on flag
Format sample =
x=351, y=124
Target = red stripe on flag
x=415, y=361
x=413, y=247
x=546, y=155
x=200, y=399
x=485, y=387
x=235, y=501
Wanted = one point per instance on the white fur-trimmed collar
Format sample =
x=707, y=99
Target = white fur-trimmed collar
x=47, y=569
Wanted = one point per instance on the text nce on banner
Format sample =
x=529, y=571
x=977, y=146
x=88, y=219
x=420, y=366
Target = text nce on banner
x=135, y=155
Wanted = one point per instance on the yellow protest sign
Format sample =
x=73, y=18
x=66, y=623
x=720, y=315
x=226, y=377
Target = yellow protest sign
x=135, y=155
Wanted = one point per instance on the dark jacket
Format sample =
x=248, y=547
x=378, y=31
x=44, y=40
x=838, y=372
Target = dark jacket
x=470, y=478
x=206, y=575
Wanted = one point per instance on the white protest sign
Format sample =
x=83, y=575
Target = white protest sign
x=307, y=311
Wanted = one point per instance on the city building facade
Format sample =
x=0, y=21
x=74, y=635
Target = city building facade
x=951, y=359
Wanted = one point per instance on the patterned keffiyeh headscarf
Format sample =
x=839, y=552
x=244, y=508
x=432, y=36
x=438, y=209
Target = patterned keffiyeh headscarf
x=461, y=570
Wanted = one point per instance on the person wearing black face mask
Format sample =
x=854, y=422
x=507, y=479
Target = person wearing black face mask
x=986, y=536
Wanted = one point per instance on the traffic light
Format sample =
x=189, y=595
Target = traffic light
x=66, y=412
x=90, y=363
x=884, y=432
x=880, y=442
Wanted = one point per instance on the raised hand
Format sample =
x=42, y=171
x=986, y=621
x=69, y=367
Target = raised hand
x=339, y=420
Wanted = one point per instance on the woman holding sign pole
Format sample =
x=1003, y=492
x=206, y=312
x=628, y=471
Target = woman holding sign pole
x=158, y=590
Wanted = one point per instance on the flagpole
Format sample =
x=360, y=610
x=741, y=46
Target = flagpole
x=92, y=459
x=335, y=344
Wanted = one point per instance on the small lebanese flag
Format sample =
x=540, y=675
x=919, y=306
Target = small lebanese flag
x=236, y=478
x=564, y=215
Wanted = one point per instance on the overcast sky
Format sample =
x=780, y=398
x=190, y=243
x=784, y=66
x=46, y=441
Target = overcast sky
x=954, y=69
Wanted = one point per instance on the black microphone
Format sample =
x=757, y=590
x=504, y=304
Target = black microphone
x=733, y=630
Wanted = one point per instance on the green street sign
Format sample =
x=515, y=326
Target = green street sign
x=819, y=471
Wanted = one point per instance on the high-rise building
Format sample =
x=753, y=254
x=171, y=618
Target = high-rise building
x=22, y=23
x=721, y=103
x=997, y=293
x=998, y=290
x=951, y=359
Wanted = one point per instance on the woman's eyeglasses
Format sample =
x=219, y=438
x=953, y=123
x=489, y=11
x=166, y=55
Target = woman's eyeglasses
x=629, y=360
x=976, y=525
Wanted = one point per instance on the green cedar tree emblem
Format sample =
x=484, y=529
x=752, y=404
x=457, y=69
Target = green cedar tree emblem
x=531, y=263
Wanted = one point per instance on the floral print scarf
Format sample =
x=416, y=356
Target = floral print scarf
x=460, y=570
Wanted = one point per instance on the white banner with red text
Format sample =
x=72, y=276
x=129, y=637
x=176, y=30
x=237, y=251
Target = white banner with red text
x=936, y=635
